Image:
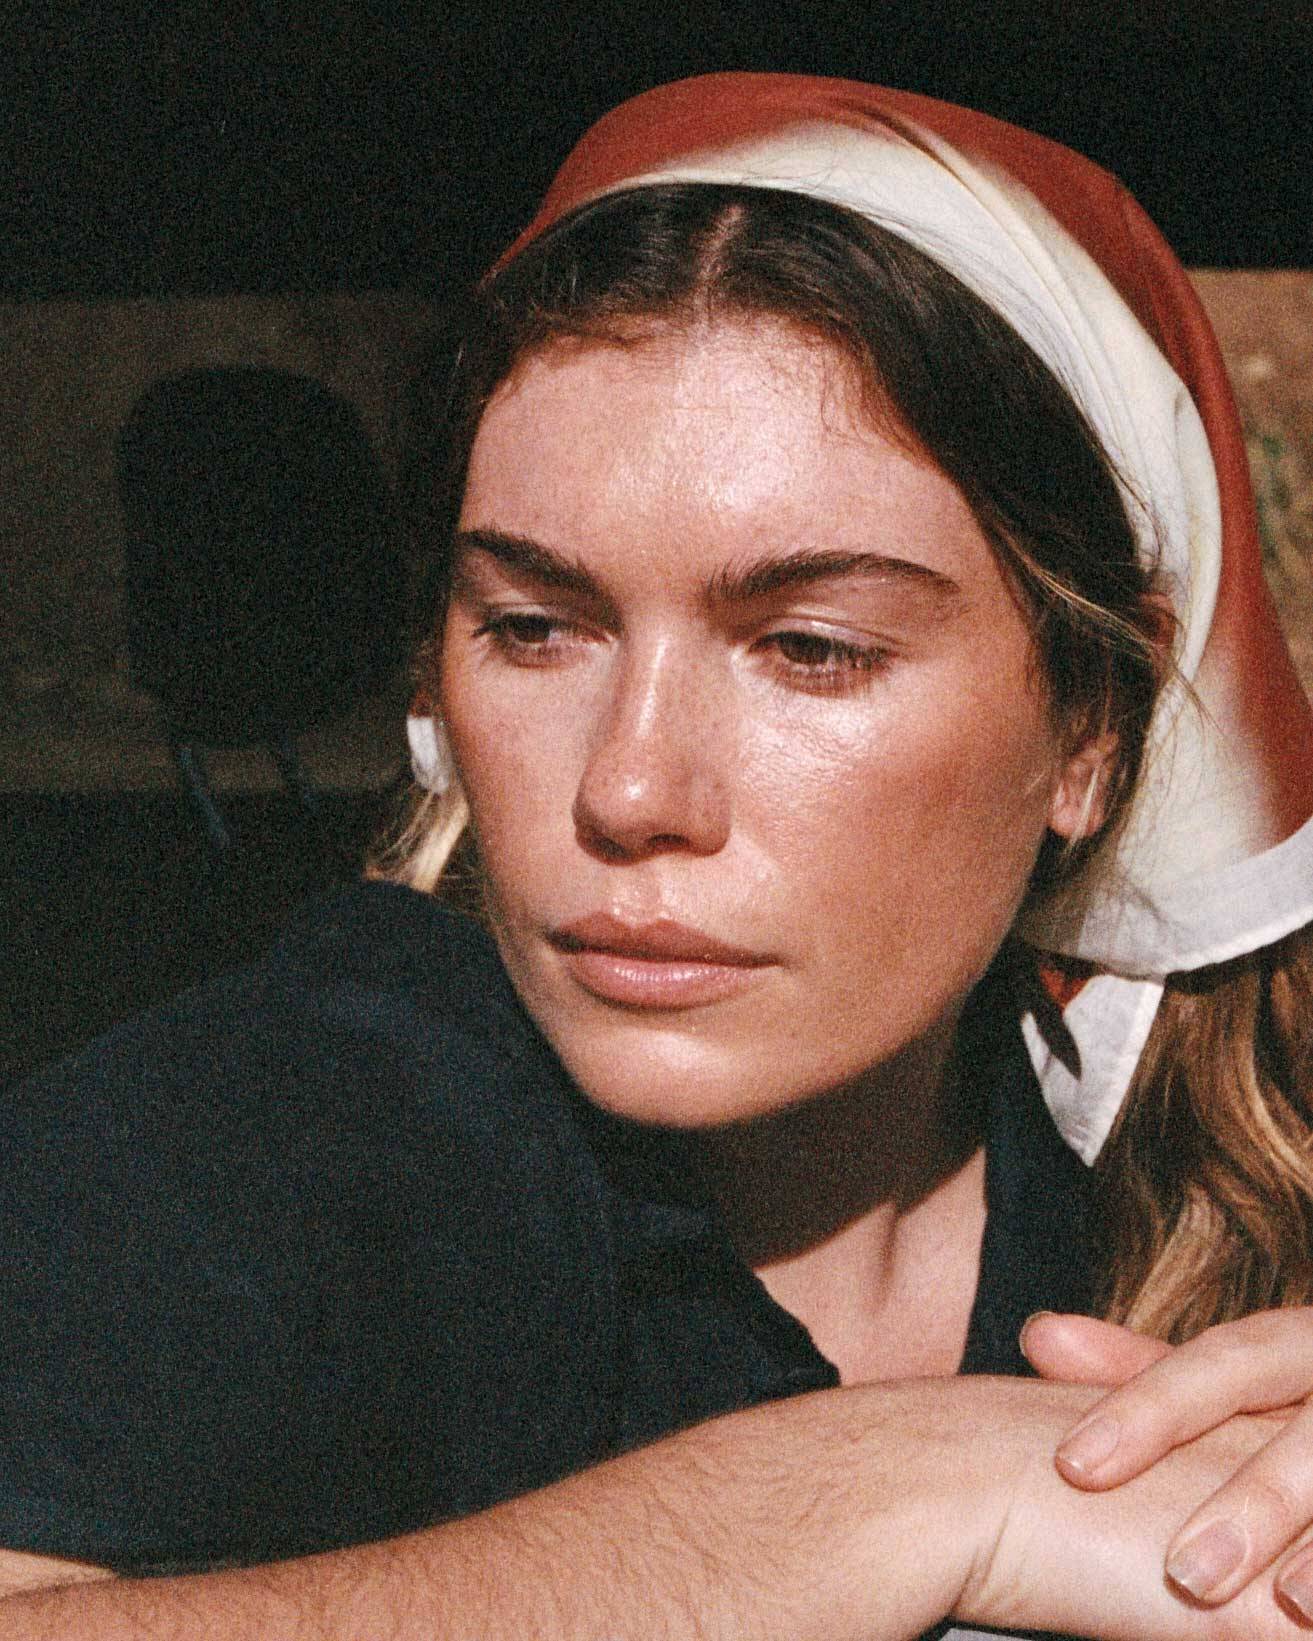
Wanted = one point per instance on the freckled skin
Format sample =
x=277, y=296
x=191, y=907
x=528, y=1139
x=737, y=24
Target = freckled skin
x=866, y=816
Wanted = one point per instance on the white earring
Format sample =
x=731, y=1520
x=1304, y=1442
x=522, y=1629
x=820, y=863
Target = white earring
x=430, y=753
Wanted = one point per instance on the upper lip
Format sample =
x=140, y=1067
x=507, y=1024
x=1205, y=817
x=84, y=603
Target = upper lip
x=662, y=940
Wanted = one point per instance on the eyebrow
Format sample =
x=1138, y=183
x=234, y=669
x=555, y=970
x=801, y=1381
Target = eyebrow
x=530, y=558
x=761, y=578
x=782, y=572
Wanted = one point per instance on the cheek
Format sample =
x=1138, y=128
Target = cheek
x=514, y=769
x=926, y=817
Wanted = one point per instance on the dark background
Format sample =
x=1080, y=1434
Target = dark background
x=212, y=148
x=262, y=146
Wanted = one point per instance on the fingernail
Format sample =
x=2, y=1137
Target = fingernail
x=1200, y=1564
x=1035, y=1316
x=1086, y=1449
x=1295, y=1587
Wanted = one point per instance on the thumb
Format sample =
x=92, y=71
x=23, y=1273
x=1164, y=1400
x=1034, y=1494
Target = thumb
x=1083, y=1351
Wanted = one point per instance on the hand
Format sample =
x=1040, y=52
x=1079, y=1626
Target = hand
x=1167, y=1397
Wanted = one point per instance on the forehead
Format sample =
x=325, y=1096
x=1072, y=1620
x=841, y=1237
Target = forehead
x=708, y=443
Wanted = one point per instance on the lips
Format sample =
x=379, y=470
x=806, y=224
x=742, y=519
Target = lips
x=657, y=965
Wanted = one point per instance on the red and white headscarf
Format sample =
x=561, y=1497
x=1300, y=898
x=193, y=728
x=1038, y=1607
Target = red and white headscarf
x=1214, y=858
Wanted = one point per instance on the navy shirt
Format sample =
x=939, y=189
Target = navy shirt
x=331, y=1249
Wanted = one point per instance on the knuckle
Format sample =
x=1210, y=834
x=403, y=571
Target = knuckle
x=1241, y=1354
x=1260, y=1331
x=1156, y=1409
x=1226, y=1345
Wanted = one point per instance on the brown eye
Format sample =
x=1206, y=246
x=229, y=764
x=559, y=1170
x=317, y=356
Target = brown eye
x=531, y=638
x=808, y=649
x=820, y=663
x=817, y=652
x=530, y=630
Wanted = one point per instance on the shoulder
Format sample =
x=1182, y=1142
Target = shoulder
x=322, y=1235
x=376, y=1008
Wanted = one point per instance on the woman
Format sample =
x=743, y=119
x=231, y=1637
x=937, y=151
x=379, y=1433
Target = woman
x=831, y=549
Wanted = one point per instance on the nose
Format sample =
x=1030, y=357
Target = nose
x=656, y=778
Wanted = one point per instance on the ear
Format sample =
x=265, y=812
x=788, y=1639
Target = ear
x=1078, y=807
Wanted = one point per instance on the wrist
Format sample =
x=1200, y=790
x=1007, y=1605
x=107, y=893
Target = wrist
x=942, y=1465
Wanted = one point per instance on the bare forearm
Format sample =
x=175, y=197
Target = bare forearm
x=845, y=1514
x=849, y=1515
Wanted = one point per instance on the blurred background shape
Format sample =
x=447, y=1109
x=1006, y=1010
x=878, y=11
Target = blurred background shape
x=263, y=581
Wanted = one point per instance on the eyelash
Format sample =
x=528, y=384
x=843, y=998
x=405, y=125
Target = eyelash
x=506, y=631
x=819, y=663
x=834, y=665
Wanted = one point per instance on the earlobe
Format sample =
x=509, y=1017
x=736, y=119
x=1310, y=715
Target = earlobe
x=1079, y=804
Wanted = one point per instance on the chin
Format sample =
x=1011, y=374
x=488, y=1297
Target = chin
x=692, y=1087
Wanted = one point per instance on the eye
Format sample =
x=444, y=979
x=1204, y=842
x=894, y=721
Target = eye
x=822, y=662
x=529, y=637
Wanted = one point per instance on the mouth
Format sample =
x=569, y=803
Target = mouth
x=658, y=965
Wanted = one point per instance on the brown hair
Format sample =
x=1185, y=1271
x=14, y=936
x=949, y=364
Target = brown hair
x=1198, y=1229
x=1207, y=1177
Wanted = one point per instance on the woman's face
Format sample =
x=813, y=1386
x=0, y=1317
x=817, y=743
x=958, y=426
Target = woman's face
x=744, y=710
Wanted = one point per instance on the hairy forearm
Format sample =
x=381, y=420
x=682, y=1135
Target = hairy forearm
x=848, y=1513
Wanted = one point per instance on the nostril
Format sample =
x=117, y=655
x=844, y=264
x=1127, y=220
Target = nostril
x=598, y=843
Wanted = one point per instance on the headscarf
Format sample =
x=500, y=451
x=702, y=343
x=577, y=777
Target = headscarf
x=1213, y=857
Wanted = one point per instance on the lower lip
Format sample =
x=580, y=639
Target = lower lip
x=657, y=983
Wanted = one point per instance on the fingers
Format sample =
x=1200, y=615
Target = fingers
x=1257, y=1365
x=1079, y=1350
x=1294, y=1585
x=1246, y=1524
